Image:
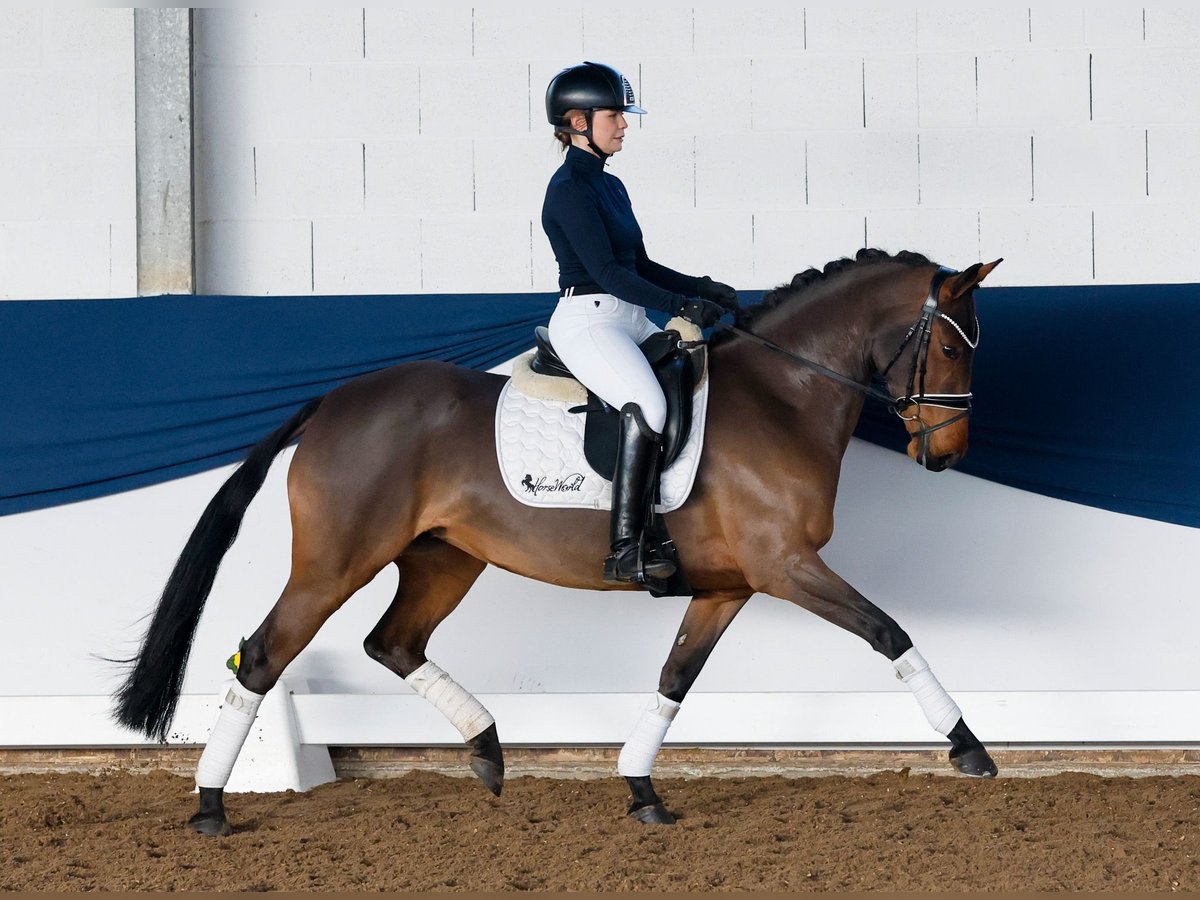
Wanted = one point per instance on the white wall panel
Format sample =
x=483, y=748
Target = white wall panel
x=425, y=175
x=1148, y=85
x=224, y=37
x=1132, y=241
x=545, y=266
x=251, y=103
x=788, y=242
x=366, y=255
x=719, y=244
x=1173, y=152
x=643, y=30
x=891, y=90
x=947, y=236
x=526, y=31
x=1071, y=575
x=758, y=171
x=489, y=96
x=67, y=199
x=257, y=256
x=58, y=259
x=808, y=92
x=485, y=253
x=418, y=31
x=1033, y=87
x=21, y=38
x=946, y=90
x=375, y=101
x=1040, y=244
x=1176, y=25
x=1057, y=25
x=865, y=168
x=753, y=30
x=1080, y=165
x=658, y=170
x=224, y=179
x=309, y=179
x=1113, y=24
x=511, y=174
x=90, y=39
x=65, y=181
x=291, y=35
x=835, y=27
x=971, y=168
x=695, y=96
x=998, y=27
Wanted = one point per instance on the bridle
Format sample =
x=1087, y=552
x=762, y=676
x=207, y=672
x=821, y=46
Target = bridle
x=918, y=335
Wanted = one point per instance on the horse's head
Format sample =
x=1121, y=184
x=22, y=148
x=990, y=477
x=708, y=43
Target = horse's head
x=926, y=357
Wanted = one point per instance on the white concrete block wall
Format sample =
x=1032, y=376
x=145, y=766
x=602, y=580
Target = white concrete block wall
x=315, y=122
x=67, y=164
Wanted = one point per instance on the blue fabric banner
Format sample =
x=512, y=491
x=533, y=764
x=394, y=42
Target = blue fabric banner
x=1079, y=390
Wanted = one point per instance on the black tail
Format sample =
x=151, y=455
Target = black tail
x=146, y=701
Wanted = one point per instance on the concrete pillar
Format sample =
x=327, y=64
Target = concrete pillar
x=162, y=40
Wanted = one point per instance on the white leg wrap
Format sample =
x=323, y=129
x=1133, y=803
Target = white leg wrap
x=942, y=712
x=233, y=724
x=637, y=756
x=454, y=701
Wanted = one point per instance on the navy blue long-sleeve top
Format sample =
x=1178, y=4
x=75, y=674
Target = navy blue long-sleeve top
x=589, y=220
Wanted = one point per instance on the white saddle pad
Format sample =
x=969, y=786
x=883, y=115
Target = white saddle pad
x=540, y=448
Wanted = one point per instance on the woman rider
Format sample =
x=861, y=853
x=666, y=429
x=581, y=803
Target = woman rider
x=607, y=283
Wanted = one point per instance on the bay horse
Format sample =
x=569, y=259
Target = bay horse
x=398, y=467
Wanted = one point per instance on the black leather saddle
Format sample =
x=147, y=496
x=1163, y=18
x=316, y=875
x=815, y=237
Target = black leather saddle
x=676, y=373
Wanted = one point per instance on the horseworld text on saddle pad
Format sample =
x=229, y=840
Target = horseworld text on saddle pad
x=540, y=448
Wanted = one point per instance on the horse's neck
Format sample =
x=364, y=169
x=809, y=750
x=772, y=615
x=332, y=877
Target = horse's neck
x=829, y=327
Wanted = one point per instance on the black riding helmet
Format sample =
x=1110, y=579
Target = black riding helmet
x=588, y=87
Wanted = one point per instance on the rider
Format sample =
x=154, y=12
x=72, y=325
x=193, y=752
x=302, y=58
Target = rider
x=607, y=283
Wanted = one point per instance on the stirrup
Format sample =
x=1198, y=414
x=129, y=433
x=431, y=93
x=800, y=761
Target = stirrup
x=630, y=565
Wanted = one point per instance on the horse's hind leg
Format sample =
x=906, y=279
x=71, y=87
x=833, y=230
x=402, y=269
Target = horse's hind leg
x=434, y=577
x=707, y=617
x=313, y=593
x=819, y=589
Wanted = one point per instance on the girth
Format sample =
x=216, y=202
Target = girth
x=676, y=374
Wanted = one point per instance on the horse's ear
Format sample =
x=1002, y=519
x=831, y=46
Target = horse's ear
x=964, y=281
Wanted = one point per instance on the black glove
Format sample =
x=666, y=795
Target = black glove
x=703, y=313
x=721, y=294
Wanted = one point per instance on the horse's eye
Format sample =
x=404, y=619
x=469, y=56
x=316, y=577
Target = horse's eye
x=951, y=352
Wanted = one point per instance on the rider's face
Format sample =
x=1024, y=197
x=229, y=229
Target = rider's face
x=608, y=130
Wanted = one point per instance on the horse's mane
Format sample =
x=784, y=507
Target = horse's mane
x=802, y=280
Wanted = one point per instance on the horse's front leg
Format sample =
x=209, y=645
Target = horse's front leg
x=707, y=617
x=812, y=584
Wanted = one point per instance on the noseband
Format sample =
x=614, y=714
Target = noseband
x=922, y=331
x=919, y=336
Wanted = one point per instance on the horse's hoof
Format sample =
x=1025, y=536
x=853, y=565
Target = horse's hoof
x=653, y=814
x=974, y=762
x=489, y=773
x=210, y=825
x=487, y=759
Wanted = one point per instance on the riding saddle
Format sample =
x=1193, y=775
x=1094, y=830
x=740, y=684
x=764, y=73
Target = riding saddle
x=676, y=373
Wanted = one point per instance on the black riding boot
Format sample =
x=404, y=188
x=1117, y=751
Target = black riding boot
x=633, y=486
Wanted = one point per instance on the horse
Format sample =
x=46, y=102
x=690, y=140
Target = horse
x=398, y=467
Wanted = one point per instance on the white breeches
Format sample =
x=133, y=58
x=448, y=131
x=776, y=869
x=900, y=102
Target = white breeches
x=597, y=337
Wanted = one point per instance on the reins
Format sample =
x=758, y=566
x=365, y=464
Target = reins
x=922, y=330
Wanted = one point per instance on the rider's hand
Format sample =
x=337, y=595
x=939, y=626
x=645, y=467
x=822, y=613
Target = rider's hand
x=721, y=294
x=703, y=313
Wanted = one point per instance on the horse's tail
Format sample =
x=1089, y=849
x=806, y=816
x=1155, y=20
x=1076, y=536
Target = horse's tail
x=146, y=700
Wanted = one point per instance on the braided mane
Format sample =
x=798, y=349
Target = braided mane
x=801, y=280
